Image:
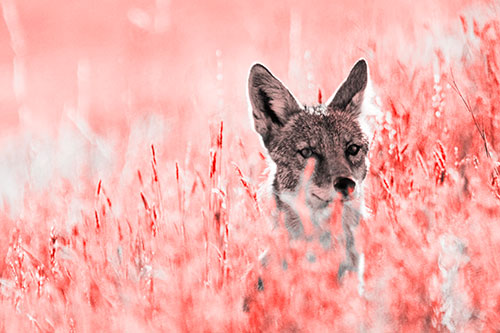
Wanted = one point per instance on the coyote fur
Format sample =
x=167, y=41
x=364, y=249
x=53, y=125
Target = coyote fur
x=330, y=140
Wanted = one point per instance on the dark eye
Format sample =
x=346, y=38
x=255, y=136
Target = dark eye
x=353, y=150
x=306, y=152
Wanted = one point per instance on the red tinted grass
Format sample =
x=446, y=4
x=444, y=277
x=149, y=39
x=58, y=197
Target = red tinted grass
x=163, y=246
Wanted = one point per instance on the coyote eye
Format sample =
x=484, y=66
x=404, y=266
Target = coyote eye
x=306, y=152
x=353, y=150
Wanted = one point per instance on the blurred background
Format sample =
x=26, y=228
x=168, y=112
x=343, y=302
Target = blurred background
x=130, y=176
x=110, y=61
x=80, y=81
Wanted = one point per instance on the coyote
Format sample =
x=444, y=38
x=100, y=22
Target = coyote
x=329, y=139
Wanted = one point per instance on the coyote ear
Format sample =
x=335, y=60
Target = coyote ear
x=272, y=103
x=349, y=95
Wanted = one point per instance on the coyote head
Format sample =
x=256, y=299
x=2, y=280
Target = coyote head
x=330, y=134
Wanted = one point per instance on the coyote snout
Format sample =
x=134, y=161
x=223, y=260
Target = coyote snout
x=344, y=186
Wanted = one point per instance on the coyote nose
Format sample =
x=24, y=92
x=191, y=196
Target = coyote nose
x=344, y=186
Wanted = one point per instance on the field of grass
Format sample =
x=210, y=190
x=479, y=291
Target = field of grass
x=133, y=189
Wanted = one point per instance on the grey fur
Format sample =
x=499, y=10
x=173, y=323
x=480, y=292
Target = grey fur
x=286, y=128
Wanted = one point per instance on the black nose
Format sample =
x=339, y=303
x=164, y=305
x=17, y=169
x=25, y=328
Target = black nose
x=344, y=186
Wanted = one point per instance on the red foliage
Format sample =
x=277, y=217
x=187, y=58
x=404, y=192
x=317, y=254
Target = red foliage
x=193, y=243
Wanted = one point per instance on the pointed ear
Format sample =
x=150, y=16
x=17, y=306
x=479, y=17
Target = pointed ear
x=349, y=95
x=272, y=103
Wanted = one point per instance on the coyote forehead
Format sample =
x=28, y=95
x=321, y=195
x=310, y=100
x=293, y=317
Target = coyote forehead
x=330, y=135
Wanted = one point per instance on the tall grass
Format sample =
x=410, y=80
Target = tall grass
x=194, y=243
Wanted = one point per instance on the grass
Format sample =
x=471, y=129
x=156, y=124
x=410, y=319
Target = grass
x=163, y=243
